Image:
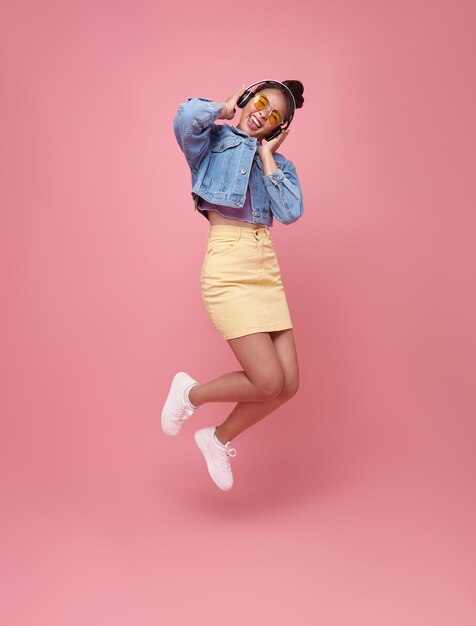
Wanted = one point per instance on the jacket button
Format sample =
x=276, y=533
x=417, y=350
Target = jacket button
x=243, y=171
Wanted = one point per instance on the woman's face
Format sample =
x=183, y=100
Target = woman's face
x=277, y=100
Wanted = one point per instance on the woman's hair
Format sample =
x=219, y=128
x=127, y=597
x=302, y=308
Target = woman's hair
x=297, y=89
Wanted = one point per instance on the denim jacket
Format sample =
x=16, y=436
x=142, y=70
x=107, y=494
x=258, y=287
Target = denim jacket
x=223, y=161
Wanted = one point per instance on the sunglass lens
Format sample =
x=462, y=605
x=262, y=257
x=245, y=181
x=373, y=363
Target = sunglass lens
x=275, y=118
x=261, y=101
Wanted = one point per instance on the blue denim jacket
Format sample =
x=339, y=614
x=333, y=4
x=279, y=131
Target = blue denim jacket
x=223, y=160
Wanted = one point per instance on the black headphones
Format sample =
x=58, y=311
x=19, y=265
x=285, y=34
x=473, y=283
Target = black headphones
x=245, y=97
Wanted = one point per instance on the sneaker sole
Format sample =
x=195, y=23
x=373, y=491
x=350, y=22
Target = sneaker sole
x=202, y=444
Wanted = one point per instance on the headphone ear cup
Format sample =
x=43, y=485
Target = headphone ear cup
x=274, y=134
x=243, y=99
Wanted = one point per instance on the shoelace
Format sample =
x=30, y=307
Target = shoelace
x=183, y=415
x=227, y=452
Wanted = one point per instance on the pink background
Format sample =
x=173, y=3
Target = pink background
x=354, y=504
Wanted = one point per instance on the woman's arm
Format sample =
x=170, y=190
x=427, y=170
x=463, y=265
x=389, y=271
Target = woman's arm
x=193, y=125
x=284, y=189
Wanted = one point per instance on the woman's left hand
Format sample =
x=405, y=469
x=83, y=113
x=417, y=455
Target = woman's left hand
x=273, y=145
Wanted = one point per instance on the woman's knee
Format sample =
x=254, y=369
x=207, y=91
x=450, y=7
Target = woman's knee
x=271, y=386
x=290, y=388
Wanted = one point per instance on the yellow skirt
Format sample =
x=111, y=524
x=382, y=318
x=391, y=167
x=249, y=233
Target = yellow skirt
x=241, y=282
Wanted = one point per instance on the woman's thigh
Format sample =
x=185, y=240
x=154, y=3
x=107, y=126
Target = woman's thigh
x=286, y=350
x=259, y=359
x=269, y=360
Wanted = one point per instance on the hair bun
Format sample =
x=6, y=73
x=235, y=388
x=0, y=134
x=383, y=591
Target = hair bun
x=297, y=89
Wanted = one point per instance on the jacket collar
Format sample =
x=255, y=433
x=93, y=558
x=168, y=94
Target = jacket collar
x=236, y=131
x=257, y=142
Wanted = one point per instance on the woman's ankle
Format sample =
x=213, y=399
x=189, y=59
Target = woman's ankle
x=192, y=396
x=223, y=437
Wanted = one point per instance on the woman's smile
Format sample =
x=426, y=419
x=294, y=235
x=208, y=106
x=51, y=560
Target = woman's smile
x=253, y=123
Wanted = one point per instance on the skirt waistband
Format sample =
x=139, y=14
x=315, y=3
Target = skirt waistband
x=238, y=232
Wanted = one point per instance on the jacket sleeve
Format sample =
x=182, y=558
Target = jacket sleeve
x=285, y=193
x=193, y=124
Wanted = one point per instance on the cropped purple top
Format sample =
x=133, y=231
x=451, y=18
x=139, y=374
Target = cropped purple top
x=243, y=214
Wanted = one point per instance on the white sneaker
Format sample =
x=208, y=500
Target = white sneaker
x=177, y=409
x=217, y=457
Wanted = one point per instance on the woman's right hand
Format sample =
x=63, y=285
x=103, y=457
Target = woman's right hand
x=232, y=100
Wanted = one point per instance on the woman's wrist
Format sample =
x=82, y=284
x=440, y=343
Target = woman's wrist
x=269, y=164
x=226, y=110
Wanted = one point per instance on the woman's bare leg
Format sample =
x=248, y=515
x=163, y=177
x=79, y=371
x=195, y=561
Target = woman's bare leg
x=231, y=387
x=262, y=379
x=245, y=414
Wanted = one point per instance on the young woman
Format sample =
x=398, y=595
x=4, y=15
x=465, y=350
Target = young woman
x=240, y=183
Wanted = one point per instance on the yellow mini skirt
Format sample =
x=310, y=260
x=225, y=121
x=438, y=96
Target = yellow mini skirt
x=241, y=282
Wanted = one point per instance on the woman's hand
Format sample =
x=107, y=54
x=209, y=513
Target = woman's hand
x=273, y=145
x=232, y=100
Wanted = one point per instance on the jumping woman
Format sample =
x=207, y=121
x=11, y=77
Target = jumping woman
x=239, y=183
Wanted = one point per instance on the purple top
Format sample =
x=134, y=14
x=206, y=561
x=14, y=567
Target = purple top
x=243, y=214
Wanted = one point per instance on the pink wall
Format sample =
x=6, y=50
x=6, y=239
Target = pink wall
x=354, y=503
